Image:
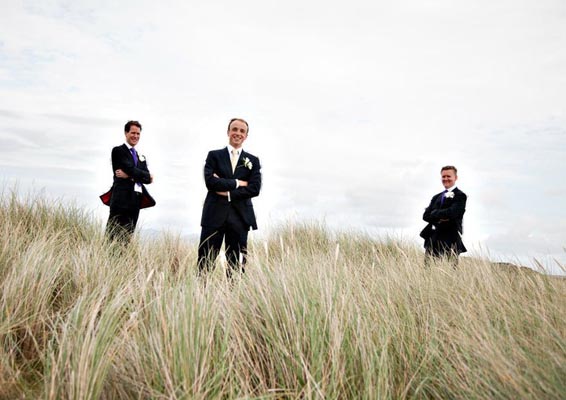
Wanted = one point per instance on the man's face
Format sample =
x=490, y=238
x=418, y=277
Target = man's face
x=448, y=178
x=237, y=133
x=133, y=136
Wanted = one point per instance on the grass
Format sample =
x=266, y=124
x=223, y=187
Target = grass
x=317, y=315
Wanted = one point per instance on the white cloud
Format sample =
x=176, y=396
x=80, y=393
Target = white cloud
x=353, y=106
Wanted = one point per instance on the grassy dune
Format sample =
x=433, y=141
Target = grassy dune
x=317, y=315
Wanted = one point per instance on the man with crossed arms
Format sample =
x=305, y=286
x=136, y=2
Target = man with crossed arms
x=445, y=215
x=128, y=190
x=232, y=177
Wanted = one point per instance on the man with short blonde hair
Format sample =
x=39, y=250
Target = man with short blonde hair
x=445, y=215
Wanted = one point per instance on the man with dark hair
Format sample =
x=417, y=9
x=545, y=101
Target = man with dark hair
x=128, y=193
x=444, y=215
x=232, y=177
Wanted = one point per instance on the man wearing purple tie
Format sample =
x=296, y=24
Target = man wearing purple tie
x=128, y=191
x=445, y=215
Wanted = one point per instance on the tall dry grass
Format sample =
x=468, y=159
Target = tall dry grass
x=317, y=315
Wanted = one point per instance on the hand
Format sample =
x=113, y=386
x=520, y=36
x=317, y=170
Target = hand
x=150, y=178
x=121, y=174
x=225, y=194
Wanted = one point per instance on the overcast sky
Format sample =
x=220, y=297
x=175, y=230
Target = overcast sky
x=353, y=108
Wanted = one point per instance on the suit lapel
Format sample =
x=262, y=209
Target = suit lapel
x=240, y=164
x=127, y=150
x=226, y=165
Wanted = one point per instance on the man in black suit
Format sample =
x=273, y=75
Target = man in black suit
x=232, y=177
x=128, y=190
x=444, y=215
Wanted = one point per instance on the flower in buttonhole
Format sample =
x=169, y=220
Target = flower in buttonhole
x=449, y=195
x=247, y=163
x=142, y=158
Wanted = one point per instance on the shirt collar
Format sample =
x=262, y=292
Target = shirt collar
x=238, y=151
x=450, y=189
x=128, y=146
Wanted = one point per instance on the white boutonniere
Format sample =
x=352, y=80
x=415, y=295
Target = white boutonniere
x=449, y=195
x=247, y=163
x=141, y=158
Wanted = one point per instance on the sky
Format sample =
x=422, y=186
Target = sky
x=353, y=108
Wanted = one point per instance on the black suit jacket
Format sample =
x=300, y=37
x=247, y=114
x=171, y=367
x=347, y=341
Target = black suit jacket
x=445, y=220
x=216, y=207
x=123, y=193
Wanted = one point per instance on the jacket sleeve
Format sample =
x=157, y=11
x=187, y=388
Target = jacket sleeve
x=122, y=160
x=428, y=214
x=254, y=184
x=213, y=183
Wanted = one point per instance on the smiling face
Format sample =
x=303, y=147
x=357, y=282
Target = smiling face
x=449, y=178
x=237, y=133
x=133, y=135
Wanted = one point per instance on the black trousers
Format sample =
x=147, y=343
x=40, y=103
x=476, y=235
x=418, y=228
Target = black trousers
x=438, y=249
x=122, y=222
x=234, y=233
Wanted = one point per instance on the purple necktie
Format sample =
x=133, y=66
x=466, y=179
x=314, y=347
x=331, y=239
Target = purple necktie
x=135, y=155
x=443, y=197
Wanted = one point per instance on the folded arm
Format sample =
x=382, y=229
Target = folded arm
x=441, y=215
x=428, y=216
x=124, y=163
x=212, y=180
x=253, y=186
